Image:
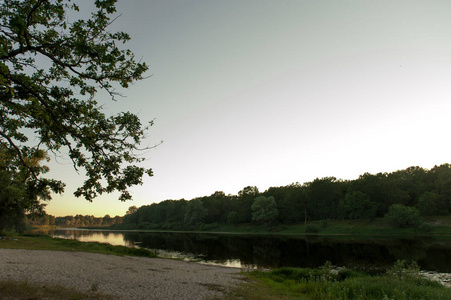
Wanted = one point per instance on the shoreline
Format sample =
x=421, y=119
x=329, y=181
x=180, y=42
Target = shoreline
x=125, y=277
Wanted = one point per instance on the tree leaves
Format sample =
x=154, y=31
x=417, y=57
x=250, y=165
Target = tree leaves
x=50, y=72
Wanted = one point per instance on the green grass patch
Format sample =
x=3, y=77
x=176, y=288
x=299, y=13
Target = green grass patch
x=298, y=283
x=41, y=242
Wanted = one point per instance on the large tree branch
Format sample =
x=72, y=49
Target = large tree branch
x=28, y=48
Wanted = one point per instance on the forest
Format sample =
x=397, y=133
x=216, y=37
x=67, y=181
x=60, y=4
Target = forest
x=73, y=221
x=407, y=194
x=415, y=190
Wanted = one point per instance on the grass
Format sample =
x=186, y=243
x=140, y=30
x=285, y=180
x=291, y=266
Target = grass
x=23, y=290
x=297, y=283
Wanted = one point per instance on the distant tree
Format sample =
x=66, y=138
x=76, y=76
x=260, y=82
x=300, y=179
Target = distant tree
x=264, y=210
x=248, y=191
x=195, y=212
x=290, y=202
x=244, y=202
x=232, y=217
x=357, y=205
x=382, y=189
x=107, y=221
x=131, y=215
x=442, y=186
x=131, y=210
x=411, y=181
x=323, y=196
x=428, y=204
x=403, y=216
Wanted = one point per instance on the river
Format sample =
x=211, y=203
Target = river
x=273, y=251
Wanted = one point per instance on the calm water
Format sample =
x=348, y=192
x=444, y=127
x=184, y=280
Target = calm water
x=263, y=251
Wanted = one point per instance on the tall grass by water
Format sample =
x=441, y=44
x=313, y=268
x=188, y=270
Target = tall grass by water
x=400, y=282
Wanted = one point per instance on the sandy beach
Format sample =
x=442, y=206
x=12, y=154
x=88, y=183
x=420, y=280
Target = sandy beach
x=124, y=277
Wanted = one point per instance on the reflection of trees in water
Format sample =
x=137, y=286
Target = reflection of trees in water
x=266, y=252
x=110, y=237
x=438, y=259
x=409, y=250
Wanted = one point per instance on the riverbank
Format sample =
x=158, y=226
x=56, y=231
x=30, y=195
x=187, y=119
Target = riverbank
x=35, y=273
x=402, y=281
x=124, y=277
x=436, y=226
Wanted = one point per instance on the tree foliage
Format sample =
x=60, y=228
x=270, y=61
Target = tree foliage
x=19, y=193
x=74, y=221
x=195, y=212
x=264, y=210
x=403, y=216
x=53, y=63
x=357, y=205
x=397, y=195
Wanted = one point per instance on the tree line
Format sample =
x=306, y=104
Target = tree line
x=73, y=221
x=412, y=193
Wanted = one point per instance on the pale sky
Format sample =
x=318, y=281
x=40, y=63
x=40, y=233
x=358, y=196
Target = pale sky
x=267, y=93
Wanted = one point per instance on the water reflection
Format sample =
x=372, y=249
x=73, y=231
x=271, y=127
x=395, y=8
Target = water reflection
x=85, y=235
x=255, y=251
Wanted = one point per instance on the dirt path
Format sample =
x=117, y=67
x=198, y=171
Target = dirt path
x=125, y=277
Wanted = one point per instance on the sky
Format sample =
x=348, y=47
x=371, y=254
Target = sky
x=267, y=93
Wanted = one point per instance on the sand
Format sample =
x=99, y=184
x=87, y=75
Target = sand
x=122, y=276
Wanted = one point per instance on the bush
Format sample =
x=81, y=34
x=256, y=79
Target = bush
x=401, y=269
x=299, y=274
x=349, y=273
x=311, y=229
x=403, y=216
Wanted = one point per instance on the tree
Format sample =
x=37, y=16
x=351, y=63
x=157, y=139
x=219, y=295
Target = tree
x=195, y=212
x=264, y=210
x=442, y=182
x=131, y=210
x=427, y=204
x=403, y=216
x=106, y=220
x=357, y=205
x=232, y=217
x=51, y=70
x=20, y=195
x=323, y=196
x=244, y=202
